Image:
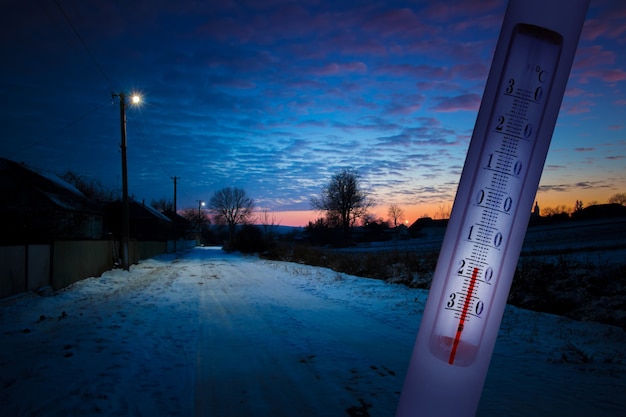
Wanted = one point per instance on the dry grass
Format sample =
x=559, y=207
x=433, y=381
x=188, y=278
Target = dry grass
x=563, y=286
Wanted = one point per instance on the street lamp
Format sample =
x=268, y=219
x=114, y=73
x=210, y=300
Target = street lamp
x=125, y=205
x=200, y=205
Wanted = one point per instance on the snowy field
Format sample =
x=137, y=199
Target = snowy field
x=216, y=334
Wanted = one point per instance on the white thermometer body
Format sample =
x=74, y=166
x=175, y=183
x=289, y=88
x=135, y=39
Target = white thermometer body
x=492, y=208
x=493, y=202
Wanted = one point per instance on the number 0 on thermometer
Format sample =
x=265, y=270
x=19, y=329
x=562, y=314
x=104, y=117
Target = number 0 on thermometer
x=494, y=200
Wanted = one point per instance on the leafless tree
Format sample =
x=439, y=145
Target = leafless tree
x=561, y=209
x=163, y=204
x=231, y=206
x=619, y=198
x=268, y=222
x=343, y=200
x=92, y=189
x=443, y=211
x=396, y=214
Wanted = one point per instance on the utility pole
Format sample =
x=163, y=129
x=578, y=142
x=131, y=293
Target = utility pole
x=200, y=222
x=175, y=179
x=125, y=203
x=175, y=219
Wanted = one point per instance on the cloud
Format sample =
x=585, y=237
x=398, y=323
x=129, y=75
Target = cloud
x=581, y=185
x=437, y=85
x=233, y=82
x=609, y=76
x=609, y=24
x=421, y=71
x=553, y=167
x=404, y=104
x=476, y=71
x=402, y=139
x=335, y=68
x=469, y=102
x=402, y=22
x=579, y=107
x=444, y=11
x=592, y=57
x=574, y=92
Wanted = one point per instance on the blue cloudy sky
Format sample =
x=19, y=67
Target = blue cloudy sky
x=275, y=96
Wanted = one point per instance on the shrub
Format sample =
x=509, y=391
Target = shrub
x=249, y=239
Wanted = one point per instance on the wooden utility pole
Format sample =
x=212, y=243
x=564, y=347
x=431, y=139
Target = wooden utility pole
x=175, y=179
x=125, y=203
x=175, y=219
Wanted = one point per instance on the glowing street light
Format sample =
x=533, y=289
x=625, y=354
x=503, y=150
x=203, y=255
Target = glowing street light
x=200, y=205
x=125, y=205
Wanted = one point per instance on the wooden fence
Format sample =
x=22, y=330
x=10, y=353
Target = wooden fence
x=30, y=267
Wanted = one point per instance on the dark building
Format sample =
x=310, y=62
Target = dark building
x=36, y=207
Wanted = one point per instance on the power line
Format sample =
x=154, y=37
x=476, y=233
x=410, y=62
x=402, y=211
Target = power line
x=73, y=122
x=147, y=142
x=80, y=38
x=108, y=80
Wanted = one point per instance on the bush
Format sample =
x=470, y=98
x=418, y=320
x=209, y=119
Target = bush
x=397, y=266
x=249, y=239
x=563, y=286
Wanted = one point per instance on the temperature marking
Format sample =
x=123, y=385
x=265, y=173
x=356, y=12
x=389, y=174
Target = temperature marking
x=466, y=306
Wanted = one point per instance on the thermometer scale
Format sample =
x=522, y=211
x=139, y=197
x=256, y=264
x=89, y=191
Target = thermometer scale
x=494, y=199
x=492, y=208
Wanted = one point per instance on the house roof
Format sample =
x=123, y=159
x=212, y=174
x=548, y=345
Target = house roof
x=137, y=208
x=26, y=188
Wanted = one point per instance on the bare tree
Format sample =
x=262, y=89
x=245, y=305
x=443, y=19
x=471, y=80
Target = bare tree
x=93, y=189
x=396, y=214
x=267, y=220
x=619, y=198
x=198, y=219
x=578, y=206
x=443, y=211
x=561, y=209
x=343, y=200
x=163, y=204
x=231, y=206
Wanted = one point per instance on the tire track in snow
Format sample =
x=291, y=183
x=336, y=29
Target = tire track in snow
x=269, y=347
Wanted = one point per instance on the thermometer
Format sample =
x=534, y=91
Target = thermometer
x=492, y=208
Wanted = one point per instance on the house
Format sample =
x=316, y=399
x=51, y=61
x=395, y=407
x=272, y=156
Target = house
x=600, y=211
x=146, y=223
x=38, y=207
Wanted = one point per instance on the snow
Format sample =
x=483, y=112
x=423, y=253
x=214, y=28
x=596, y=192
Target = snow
x=216, y=334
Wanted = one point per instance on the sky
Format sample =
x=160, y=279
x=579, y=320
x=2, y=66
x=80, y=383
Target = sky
x=277, y=96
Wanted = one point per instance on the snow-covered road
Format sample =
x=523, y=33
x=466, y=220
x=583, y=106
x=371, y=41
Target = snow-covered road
x=216, y=334
x=271, y=346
